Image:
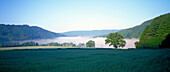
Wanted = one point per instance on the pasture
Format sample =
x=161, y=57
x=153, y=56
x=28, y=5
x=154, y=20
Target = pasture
x=85, y=60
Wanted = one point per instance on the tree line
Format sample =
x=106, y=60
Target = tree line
x=17, y=44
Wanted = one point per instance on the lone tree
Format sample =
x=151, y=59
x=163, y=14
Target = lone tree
x=90, y=44
x=116, y=40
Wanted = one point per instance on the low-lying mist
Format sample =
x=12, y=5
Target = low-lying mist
x=99, y=41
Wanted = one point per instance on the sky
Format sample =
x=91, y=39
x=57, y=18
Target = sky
x=70, y=15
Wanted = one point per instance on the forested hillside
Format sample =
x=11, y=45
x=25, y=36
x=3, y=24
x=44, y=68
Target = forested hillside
x=24, y=32
x=133, y=32
x=136, y=31
x=154, y=34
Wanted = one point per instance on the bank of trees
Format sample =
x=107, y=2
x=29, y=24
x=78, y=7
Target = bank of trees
x=10, y=44
x=155, y=33
x=29, y=44
x=59, y=44
x=16, y=44
x=165, y=43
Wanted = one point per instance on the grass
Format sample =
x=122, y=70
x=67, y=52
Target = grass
x=85, y=60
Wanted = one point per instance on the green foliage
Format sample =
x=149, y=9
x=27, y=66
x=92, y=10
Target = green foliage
x=24, y=32
x=154, y=34
x=68, y=44
x=90, y=44
x=81, y=45
x=55, y=44
x=122, y=43
x=30, y=44
x=10, y=44
x=115, y=39
x=165, y=43
x=49, y=44
x=1, y=45
x=16, y=44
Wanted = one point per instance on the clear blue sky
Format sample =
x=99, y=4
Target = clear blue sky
x=69, y=15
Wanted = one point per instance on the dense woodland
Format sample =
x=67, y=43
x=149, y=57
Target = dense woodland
x=154, y=35
x=24, y=32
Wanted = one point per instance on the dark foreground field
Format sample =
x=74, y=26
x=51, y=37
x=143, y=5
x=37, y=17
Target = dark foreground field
x=78, y=60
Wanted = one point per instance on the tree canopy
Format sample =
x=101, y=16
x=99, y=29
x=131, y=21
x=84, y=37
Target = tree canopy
x=154, y=34
x=30, y=44
x=90, y=44
x=116, y=40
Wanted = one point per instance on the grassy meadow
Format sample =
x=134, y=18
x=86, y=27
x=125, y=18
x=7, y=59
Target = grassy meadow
x=85, y=60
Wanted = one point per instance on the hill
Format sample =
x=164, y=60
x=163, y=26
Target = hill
x=24, y=32
x=155, y=33
x=136, y=31
x=133, y=32
x=88, y=33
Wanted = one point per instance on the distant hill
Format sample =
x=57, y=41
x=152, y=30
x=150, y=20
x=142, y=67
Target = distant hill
x=133, y=32
x=136, y=31
x=88, y=33
x=155, y=33
x=24, y=32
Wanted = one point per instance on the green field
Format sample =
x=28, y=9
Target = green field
x=85, y=60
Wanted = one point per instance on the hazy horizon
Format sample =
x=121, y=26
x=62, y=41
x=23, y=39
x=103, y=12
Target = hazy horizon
x=72, y=15
x=99, y=41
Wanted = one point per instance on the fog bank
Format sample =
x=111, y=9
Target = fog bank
x=99, y=42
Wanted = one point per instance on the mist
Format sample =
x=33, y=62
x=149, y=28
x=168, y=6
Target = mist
x=99, y=41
